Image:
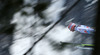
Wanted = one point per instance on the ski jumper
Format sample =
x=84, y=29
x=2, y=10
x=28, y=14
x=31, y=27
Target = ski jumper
x=81, y=28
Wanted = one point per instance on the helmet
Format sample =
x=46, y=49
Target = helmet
x=72, y=26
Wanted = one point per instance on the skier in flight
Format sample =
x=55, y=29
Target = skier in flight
x=81, y=28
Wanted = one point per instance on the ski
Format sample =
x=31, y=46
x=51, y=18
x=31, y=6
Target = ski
x=79, y=46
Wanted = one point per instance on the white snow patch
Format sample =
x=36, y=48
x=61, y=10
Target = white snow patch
x=61, y=33
x=23, y=25
x=70, y=20
x=29, y=10
x=77, y=52
x=44, y=48
x=93, y=2
x=20, y=46
x=53, y=11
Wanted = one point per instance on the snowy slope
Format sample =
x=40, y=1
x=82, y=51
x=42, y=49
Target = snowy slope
x=34, y=17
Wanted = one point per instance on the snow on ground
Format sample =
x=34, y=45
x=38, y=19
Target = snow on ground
x=93, y=2
x=44, y=48
x=24, y=34
x=59, y=33
x=21, y=46
x=53, y=11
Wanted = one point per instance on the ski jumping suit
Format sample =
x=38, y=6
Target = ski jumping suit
x=84, y=29
x=81, y=28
